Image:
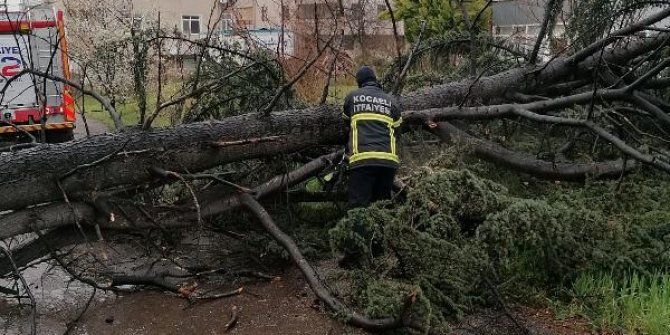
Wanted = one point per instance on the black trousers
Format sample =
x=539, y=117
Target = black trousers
x=366, y=185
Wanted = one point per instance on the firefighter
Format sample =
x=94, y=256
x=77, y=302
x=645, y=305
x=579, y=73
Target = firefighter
x=374, y=119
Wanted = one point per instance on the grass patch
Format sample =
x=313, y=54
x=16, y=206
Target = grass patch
x=636, y=304
x=129, y=109
x=337, y=92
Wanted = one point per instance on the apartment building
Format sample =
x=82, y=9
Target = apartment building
x=284, y=26
x=364, y=32
x=296, y=23
x=193, y=18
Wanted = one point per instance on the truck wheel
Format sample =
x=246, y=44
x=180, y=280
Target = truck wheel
x=59, y=136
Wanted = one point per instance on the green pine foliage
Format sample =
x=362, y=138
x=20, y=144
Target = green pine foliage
x=249, y=90
x=458, y=234
x=440, y=16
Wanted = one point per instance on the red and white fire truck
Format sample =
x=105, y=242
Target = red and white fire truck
x=32, y=44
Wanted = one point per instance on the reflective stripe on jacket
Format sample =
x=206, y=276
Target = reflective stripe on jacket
x=374, y=117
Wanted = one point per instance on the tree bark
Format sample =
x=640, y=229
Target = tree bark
x=124, y=160
x=213, y=202
x=520, y=162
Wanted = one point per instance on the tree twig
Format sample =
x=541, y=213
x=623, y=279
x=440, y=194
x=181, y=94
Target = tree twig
x=33, y=303
x=550, y=12
x=228, y=294
x=395, y=28
x=502, y=304
x=399, y=84
x=224, y=144
x=280, y=92
x=73, y=323
x=216, y=177
x=331, y=69
x=617, y=142
x=234, y=316
x=96, y=162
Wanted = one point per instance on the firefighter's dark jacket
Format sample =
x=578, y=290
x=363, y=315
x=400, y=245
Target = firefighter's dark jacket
x=374, y=118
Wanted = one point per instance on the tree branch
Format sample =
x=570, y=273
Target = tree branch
x=519, y=162
x=310, y=274
x=617, y=142
x=550, y=12
x=33, y=304
x=400, y=82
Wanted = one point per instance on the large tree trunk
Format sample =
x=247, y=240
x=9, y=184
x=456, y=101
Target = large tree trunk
x=125, y=159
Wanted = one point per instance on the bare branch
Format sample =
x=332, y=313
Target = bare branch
x=268, y=109
x=395, y=28
x=631, y=29
x=617, y=142
x=399, y=84
x=651, y=73
x=637, y=98
x=193, y=93
x=33, y=304
x=470, y=28
x=104, y=101
x=550, y=11
x=331, y=69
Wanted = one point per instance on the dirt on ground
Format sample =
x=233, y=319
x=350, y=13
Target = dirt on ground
x=281, y=306
x=285, y=306
x=522, y=321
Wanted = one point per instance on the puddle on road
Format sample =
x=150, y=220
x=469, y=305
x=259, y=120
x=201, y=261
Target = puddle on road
x=61, y=300
x=58, y=299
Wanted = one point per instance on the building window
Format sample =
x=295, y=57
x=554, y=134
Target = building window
x=504, y=31
x=137, y=22
x=133, y=20
x=533, y=30
x=190, y=24
x=227, y=22
x=519, y=30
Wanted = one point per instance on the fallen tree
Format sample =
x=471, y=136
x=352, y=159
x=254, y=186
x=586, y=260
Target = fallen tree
x=123, y=160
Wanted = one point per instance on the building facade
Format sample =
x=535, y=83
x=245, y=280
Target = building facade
x=288, y=27
x=363, y=28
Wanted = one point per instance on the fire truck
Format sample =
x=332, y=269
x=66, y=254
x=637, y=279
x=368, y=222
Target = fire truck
x=33, y=60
